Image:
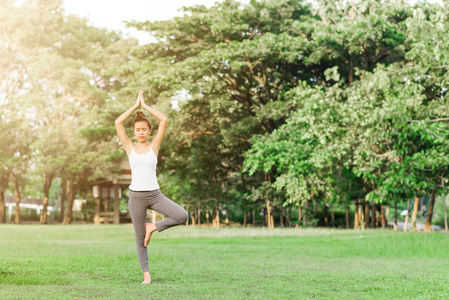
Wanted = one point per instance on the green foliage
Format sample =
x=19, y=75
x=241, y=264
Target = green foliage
x=387, y=128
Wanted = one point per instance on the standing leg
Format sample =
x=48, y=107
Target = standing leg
x=138, y=212
x=175, y=214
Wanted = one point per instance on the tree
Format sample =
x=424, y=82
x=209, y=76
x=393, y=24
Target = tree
x=46, y=75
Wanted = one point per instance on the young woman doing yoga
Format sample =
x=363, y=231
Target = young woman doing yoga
x=144, y=190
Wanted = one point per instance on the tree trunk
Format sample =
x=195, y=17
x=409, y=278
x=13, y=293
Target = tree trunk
x=253, y=217
x=199, y=212
x=287, y=221
x=445, y=214
x=216, y=218
x=17, y=196
x=227, y=217
x=116, y=203
x=362, y=215
x=428, y=225
x=47, y=183
x=4, y=180
x=299, y=215
x=2, y=207
x=68, y=218
x=269, y=215
x=444, y=208
x=356, y=216
x=281, y=217
x=348, y=200
x=153, y=216
x=193, y=215
x=395, y=216
x=207, y=217
x=348, y=225
x=406, y=217
x=377, y=216
x=63, y=200
x=366, y=215
x=305, y=217
x=373, y=215
x=415, y=213
x=244, y=218
x=107, y=206
x=387, y=213
x=332, y=217
x=382, y=216
x=326, y=221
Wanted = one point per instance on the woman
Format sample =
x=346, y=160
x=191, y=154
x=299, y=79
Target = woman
x=144, y=190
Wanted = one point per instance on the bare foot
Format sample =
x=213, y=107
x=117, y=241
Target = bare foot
x=150, y=228
x=146, y=278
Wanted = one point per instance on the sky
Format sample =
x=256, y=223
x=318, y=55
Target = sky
x=111, y=14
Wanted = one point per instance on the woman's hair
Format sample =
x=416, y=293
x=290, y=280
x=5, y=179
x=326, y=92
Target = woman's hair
x=141, y=118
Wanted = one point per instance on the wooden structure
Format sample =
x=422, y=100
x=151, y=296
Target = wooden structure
x=107, y=190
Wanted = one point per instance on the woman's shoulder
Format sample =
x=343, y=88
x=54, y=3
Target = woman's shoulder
x=129, y=149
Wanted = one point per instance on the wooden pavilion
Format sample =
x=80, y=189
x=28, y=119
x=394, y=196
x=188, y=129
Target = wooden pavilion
x=107, y=190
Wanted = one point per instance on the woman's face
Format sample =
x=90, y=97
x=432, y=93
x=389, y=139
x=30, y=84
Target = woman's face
x=141, y=131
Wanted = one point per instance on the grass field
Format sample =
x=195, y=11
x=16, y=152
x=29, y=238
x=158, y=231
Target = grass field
x=94, y=262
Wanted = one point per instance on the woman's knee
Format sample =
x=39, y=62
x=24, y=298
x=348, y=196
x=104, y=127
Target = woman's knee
x=183, y=216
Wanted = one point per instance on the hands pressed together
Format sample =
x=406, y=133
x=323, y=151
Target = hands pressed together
x=140, y=101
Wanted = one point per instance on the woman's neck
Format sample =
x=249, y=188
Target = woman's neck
x=142, y=143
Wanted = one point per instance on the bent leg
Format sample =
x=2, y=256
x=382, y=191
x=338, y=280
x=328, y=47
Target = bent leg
x=138, y=212
x=175, y=214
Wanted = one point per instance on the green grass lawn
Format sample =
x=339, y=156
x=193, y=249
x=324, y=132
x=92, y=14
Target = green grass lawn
x=87, y=261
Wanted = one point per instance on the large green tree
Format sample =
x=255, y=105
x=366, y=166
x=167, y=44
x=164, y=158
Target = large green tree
x=387, y=127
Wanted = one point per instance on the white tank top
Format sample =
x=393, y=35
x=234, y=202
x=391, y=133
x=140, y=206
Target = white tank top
x=143, y=170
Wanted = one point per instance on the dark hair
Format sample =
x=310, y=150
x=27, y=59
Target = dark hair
x=141, y=118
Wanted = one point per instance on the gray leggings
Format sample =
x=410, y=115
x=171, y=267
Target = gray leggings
x=139, y=202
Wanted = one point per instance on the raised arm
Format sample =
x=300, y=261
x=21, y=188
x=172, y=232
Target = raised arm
x=126, y=142
x=157, y=140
